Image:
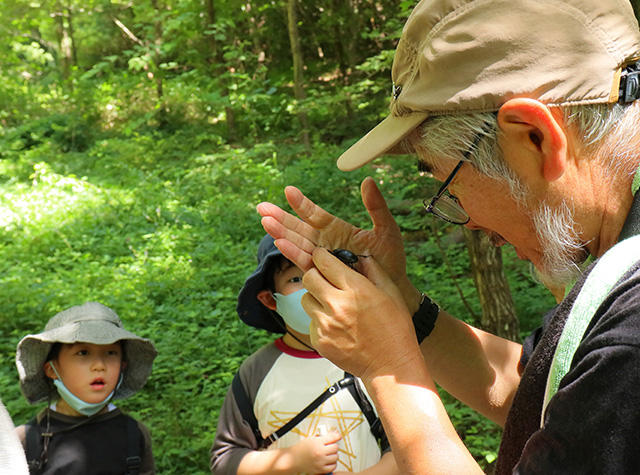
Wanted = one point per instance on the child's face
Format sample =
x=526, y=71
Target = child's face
x=89, y=371
x=288, y=280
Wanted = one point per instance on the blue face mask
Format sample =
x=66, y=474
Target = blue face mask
x=77, y=404
x=289, y=307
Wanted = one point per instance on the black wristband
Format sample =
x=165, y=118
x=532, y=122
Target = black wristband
x=425, y=318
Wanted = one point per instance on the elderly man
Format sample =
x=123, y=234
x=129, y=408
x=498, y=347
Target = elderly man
x=526, y=111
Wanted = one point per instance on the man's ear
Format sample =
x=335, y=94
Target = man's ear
x=531, y=131
x=48, y=370
x=266, y=298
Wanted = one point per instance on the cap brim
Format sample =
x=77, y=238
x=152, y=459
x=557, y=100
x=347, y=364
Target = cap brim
x=380, y=140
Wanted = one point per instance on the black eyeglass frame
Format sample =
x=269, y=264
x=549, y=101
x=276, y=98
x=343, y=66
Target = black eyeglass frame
x=430, y=208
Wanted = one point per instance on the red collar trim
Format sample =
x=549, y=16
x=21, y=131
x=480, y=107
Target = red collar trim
x=282, y=346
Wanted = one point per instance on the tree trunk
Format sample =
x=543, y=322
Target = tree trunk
x=64, y=42
x=157, y=58
x=210, y=23
x=346, y=43
x=298, y=67
x=498, y=312
x=220, y=68
x=72, y=39
x=254, y=21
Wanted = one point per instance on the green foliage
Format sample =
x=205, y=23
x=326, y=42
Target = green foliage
x=530, y=303
x=163, y=231
x=162, y=228
x=480, y=435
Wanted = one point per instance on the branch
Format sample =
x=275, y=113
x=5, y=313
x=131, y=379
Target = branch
x=128, y=32
x=445, y=259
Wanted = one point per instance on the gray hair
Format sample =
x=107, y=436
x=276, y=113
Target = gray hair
x=603, y=130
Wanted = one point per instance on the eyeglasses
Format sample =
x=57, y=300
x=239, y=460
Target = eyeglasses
x=446, y=206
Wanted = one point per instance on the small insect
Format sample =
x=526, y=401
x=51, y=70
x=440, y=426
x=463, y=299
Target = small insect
x=347, y=257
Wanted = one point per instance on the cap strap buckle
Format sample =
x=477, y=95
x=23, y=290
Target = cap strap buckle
x=395, y=91
x=630, y=83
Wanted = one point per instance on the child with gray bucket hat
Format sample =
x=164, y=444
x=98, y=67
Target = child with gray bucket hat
x=289, y=410
x=81, y=362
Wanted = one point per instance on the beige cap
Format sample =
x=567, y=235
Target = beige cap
x=474, y=55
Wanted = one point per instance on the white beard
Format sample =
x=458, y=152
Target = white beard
x=563, y=252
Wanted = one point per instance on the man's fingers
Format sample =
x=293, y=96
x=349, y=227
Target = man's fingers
x=291, y=251
x=283, y=225
x=377, y=207
x=315, y=283
x=295, y=239
x=290, y=232
x=372, y=270
x=331, y=269
x=308, y=211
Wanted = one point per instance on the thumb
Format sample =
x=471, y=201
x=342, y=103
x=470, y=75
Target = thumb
x=331, y=437
x=377, y=208
x=371, y=269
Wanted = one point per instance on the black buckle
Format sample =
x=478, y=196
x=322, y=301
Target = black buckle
x=270, y=440
x=629, y=83
x=133, y=463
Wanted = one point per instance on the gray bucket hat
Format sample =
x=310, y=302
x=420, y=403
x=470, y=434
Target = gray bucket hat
x=249, y=308
x=88, y=323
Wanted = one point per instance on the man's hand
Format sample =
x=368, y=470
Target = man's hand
x=297, y=238
x=359, y=320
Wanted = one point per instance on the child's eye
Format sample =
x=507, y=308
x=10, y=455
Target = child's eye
x=82, y=353
x=295, y=280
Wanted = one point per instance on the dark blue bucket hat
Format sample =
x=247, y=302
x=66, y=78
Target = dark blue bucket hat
x=249, y=308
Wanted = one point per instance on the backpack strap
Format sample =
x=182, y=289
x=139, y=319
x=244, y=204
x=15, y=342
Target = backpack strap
x=35, y=440
x=133, y=460
x=246, y=408
x=367, y=409
x=33, y=446
x=603, y=277
x=326, y=394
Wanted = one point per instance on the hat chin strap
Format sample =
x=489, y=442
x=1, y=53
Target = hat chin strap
x=85, y=408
